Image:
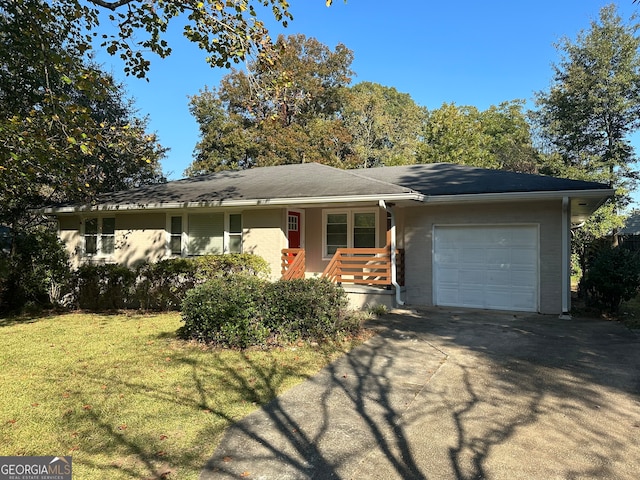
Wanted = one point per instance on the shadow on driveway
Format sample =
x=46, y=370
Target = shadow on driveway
x=443, y=394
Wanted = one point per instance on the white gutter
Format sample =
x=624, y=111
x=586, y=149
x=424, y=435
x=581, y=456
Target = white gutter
x=490, y=197
x=236, y=203
x=394, y=272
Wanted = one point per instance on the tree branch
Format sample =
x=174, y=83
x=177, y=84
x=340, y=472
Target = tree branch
x=111, y=5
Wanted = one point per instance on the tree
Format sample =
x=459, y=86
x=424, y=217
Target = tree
x=229, y=32
x=65, y=130
x=293, y=117
x=455, y=134
x=499, y=137
x=66, y=133
x=384, y=123
x=593, y=104
x=588, y=115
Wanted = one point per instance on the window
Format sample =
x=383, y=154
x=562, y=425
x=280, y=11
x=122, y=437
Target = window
x=176, y=236
x=204, y=234
x=349, y=229
x=235, y=233
x=337, y=232
x=99, y=236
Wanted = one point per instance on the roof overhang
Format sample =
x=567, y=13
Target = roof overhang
x=259, y=202
x=583, y=202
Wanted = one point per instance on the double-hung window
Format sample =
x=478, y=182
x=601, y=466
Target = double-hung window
x=99, y=236
x=349, y=229
x=204, y=233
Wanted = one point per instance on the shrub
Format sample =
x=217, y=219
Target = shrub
x=163, y=285
x=242, y=310
x=612, y=277
x=306, y=308
x=105, y=287
x=210, y=266
x=31, y=268
x=225, y=311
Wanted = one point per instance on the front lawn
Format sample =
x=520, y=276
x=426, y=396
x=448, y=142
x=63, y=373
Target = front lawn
x=126, y=399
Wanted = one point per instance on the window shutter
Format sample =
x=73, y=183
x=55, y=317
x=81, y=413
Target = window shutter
x=206, y=233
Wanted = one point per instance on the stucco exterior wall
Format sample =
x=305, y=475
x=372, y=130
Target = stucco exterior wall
x=419, y=222
x=140, y=237
x=69, y=233
x=264, y=234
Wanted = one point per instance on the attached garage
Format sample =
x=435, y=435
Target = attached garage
x=487, y=266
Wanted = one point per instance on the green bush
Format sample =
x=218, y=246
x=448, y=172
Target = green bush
x=210, y=266
x=241, y=310
x=164, y=284
x=612, y=277
x=306, y=308
x=105, y=287
x=161, y=285
x=34, y=270
x=225, y=311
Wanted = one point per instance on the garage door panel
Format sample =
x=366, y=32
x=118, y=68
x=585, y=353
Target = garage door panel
x=472, y=255
x=486, y=267
x=447, y=256
x=500, y=278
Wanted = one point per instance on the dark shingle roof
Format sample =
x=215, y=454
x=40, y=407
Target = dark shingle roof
x=450, y=179
x=314, y=182
x=283, y=181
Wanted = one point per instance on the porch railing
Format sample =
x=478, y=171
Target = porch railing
x=360, y=266
x=364, y=266
x=293, y=263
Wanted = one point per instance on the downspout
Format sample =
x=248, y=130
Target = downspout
x=566, y=259
x=394, y=273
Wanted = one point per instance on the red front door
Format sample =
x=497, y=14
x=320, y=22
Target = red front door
x=293, y=229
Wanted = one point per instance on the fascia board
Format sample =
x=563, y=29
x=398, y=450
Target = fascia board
x=238, y=203
x=510, y=196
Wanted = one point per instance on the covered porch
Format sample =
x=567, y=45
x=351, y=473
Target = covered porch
x=370, y=276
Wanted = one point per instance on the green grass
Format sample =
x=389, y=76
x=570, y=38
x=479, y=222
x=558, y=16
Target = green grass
x=126, y=398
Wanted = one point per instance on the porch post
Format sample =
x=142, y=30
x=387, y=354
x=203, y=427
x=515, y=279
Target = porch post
x=392, y=246
x=566, y=258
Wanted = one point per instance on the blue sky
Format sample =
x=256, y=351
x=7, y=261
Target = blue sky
x=478, y=53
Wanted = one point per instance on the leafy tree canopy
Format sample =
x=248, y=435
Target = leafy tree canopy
x=284, y=112
x=385, y=124
x=588, y=115
x=229, y=31
x=498, y=138
x=66, y=131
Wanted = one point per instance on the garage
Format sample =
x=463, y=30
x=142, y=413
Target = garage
x=488, y=266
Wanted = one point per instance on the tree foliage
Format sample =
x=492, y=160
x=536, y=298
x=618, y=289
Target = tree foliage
x=593, y=104
x=497, y=138
x=229, y=32
x=589, y=113
x=385, y=124
x=66, y=131
x=285, y=112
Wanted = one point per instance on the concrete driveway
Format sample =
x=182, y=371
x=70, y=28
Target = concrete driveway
x=455, y=394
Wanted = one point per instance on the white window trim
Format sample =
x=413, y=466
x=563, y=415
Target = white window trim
x=99, y=253
x=350, y=224
x=185, y=233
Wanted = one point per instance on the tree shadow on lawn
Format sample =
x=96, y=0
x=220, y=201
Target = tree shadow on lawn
x=445, y=395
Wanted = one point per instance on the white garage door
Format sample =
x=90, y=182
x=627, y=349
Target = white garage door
x=494, y=267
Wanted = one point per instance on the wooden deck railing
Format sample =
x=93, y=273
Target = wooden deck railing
x=363, y=266
x=293, y=263
x=360, y=266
